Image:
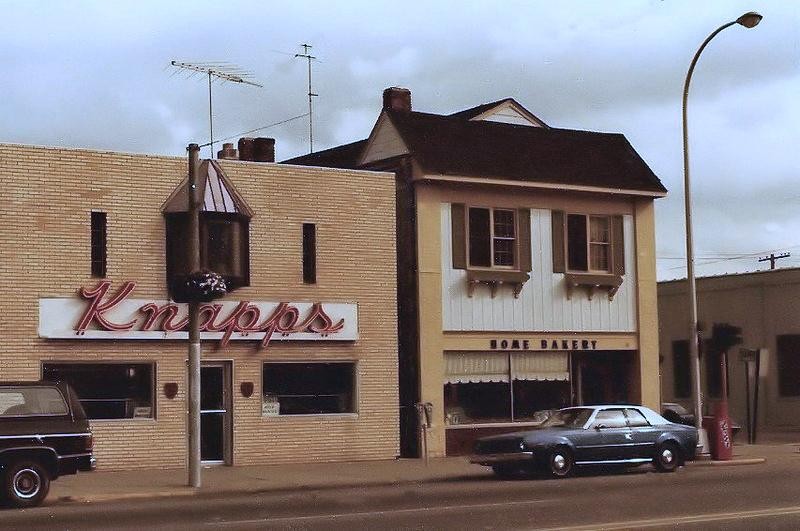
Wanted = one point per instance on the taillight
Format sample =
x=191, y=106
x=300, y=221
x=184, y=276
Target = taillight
x=89, y=441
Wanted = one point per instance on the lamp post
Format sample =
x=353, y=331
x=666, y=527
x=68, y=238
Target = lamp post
x=748, y=20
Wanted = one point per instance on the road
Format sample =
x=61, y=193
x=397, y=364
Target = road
x=765, y=496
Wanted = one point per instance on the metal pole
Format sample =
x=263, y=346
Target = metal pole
x=693, y=344
x=193, y=417
x=210, y=118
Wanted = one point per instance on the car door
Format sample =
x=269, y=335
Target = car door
x=644, y=434
x=612, y=439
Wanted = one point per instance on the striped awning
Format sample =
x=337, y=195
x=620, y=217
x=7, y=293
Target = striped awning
x=217, y=191
x=481, y=367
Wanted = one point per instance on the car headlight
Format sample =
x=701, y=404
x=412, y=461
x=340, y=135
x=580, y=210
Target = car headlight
x=522, y=446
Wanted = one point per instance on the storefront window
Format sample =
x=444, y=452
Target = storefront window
x=308, y=388
x=108, y=390
x=493, y=387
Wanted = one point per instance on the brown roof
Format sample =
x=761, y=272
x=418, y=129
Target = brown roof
x=456, y=145
x=216, y=190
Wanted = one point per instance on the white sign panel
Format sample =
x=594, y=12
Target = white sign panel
x=97, y=314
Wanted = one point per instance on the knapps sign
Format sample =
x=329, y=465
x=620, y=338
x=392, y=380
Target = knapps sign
x=100, y=314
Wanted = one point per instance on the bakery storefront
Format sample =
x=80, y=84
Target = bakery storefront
x=519, y=380
x=299, y=358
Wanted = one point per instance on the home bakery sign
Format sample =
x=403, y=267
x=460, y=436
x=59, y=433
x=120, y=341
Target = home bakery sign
x=99, y=313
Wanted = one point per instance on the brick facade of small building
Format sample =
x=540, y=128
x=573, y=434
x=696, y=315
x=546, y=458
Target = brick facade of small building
x=45, y=235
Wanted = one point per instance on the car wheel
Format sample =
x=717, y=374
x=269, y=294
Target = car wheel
x=668, y=457
x=25, y=483
x=560, y=462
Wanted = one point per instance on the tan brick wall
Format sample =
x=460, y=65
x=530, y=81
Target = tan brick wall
x=45, y=240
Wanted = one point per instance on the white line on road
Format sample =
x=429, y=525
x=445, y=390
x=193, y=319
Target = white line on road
x=377, y=513
x=675, y=520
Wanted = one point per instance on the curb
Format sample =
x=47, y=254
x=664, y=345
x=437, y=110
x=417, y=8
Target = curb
x=731, y=462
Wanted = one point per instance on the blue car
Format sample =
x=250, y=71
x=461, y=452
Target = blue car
x=624, y=435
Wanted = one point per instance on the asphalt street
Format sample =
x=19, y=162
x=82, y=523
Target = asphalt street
x=765, y=496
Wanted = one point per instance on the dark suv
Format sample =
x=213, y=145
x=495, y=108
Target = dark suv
x=43, y=434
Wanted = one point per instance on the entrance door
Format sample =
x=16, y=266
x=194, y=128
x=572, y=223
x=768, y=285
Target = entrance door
x=216, y=420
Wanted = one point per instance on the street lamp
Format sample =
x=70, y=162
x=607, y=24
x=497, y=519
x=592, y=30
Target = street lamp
x=748, y=20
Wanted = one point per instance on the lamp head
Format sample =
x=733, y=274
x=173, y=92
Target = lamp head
x=749, y=19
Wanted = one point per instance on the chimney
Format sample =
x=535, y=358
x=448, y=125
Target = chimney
x=397, y=99
x=264, y=150
x=246, y=146
x=227, y=152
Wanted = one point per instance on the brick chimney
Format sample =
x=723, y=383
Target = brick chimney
x=227, y=152
x=264, y=150
x=397, y=99
x=257, y=149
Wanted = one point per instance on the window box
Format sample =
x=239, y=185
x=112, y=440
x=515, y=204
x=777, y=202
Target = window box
x=592, y=283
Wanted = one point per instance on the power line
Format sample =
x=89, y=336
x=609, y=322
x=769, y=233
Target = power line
x=258, y=129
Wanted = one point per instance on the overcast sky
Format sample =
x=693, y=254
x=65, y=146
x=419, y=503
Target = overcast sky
x=97, y=75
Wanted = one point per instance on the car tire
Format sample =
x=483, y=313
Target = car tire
x=560, y=462
x=25, y=483
x=668, y=457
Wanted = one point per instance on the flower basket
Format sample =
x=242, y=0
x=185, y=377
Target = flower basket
x=205, y=286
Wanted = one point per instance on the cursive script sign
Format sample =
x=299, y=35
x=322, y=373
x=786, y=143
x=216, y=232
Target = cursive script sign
x=101, y=314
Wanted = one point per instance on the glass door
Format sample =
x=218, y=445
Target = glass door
x=216, y=425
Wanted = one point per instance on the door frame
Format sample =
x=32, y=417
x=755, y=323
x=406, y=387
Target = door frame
x=227, y=398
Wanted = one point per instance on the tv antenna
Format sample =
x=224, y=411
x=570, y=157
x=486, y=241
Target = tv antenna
x=309, y=58
x=223, y=71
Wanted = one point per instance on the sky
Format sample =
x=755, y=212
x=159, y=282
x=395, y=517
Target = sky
x=97, y=75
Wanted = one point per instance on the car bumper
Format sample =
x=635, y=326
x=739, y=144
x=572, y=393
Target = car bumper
x=494, y=459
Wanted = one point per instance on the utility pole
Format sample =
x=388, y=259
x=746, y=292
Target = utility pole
x=309, y=57
x=193, y=418
x=772, y=258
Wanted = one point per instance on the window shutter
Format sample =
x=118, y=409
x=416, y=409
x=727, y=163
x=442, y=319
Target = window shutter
x=459, y=236
x=559, y=258
x=524, y=238
x=618, y=243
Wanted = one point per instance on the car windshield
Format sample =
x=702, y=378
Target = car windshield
x=568, y=418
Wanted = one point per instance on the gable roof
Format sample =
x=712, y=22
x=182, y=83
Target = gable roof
x=475, y=112
x=452, y=146
x=455, y=145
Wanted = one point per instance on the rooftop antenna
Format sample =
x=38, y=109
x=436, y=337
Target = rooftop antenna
x=309, y=57
x=223, y=71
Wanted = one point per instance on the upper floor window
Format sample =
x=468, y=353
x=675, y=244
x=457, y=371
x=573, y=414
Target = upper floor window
x=98, y=243
x=309, y=253
x=788, y=350
x=588, y=243
x=492, y=237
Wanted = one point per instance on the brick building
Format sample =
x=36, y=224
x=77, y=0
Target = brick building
x=84, y=292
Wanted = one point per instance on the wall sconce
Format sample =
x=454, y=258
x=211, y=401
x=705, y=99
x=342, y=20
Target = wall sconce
x=247, y=389
x=170, y=390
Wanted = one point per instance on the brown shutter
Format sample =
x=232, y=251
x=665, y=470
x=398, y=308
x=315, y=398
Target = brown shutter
x=524, y=224
x=559, y=244
x=459, y=236
x=618, y=244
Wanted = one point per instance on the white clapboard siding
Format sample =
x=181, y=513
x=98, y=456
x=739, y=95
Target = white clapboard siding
x=542, y=305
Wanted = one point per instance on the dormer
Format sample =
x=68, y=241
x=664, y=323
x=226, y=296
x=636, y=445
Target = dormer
x=224, y=230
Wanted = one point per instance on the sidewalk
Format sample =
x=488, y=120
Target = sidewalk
x=220, y=480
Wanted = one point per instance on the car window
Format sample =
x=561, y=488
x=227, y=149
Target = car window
x=568, y=418
x=635, y=418
x=22, y=401
x=610, y=418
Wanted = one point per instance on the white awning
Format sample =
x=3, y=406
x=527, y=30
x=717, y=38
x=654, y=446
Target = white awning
x=540, y=365
x=475, y=367
x=482, y=367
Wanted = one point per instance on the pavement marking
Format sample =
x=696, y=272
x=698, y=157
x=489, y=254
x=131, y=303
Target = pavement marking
x=676, y=520
x=378, y=513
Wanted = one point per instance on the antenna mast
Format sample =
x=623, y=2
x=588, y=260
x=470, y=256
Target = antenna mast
x=309, y=57
x=223, y=71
